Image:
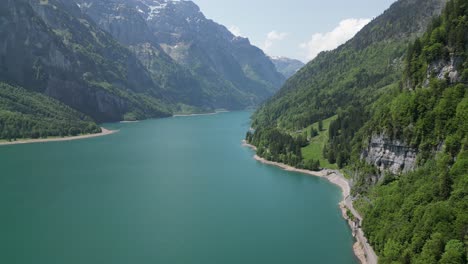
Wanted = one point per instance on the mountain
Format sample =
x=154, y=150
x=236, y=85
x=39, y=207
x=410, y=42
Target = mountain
x=127, y=60
x=396, y=130
x=127, y=25
x=220, y=70
x=357, y=70
x=286, y=66
x=343, y=82
x=51, y=48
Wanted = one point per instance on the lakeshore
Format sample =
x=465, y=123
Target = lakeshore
x=129, y=122
x=104, y=132
x=362, y=249
x=201, y=114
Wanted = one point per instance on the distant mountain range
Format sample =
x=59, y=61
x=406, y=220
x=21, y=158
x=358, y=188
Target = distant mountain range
x=286, y=66
x=221, y=70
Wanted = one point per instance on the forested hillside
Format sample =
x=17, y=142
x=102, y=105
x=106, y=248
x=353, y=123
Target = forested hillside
x=422, y=216
x=25, y=114
x=345, y=81
x=400, y=133
x=354, y=73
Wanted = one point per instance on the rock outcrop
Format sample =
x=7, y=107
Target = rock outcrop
x=390, y=155
x=445, y=69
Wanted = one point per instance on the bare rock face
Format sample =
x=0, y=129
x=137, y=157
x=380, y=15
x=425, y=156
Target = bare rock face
x=443, y=69
x=390, y=155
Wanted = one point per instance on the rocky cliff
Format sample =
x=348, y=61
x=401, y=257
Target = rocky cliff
x=445, y=70
x=390, y=155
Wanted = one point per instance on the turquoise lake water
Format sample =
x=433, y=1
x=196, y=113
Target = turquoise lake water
x=181, y=190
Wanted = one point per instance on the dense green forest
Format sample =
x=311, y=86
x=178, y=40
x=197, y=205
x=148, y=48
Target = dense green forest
x=422, y=217
x=25, y=114
x=417, y=217
x=282, y=147
x=410, y=218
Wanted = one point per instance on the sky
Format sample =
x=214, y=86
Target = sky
x=298, y=29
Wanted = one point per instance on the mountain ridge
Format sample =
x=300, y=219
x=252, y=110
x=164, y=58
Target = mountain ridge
x=207, y=50
x=308, y=84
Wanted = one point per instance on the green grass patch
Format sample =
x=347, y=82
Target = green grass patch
x=314, y=151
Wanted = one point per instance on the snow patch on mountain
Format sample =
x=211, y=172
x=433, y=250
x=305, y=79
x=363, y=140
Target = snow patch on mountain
x=154, y=7
x=154, y=10
x=84, y=5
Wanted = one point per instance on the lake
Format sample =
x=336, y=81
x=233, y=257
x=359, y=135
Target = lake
x=176, y=190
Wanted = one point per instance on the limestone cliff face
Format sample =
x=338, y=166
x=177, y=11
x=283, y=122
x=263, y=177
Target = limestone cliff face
x=390, y=155
x=445, y=69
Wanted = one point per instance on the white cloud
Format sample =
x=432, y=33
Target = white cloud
x=235, y=30
x=271, y=38
x=331, y=40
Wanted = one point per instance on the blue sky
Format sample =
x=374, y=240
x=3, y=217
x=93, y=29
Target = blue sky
x=294, y=28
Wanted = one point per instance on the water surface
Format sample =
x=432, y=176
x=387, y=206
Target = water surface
x=178, y=191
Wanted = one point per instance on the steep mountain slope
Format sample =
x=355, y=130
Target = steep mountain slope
x=286, y=66
x=343, y=81
x=354, y=72
x=49, y=47
x=422, y=216
x=227, y=72
x=124, y=21
x=191, y=39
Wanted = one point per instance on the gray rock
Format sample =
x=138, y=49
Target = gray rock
x=443, y=69
x=390, y=155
